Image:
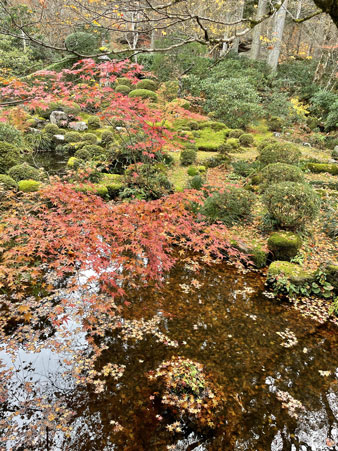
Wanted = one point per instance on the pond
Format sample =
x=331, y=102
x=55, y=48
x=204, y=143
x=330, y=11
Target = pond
x=277, y=370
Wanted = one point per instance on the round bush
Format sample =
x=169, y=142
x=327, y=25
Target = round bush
x=72, y=109
x=73, y=137
x=51, y=129
x=233, y=143
x=94, y=122
x=107, y=137
x=281, y=172
x=235, y=133
x=266, y=142
x=232, y=205
x=94, y=150
x=150, y=85
x=188, y=157
x=123, y=89
x=82, y=42
x=246, y=140
x=90, y=138
x=124, y=81
x=192, y=171
x=196, y=182
x=292, y=204
x=7, y=182
x=24, y=172
x=9, y=156
x=144, y=94
x=225, y=148
x=275, y=124
x=83, y=154
x=10, y=134
x=279, y=153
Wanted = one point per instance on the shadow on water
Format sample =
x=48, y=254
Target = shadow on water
x=224, y=321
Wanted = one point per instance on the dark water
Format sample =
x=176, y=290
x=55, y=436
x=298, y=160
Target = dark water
x=230, y=326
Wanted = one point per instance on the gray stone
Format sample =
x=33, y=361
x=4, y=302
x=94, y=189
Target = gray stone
x=277, y=134
x=58, y=118
x=334, y=153
x=78, y=126
x=307, y=145
x=59, y=138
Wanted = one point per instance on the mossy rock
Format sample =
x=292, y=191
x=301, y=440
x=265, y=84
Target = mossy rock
x=331, y=272
x=323, y=167
x=258, y=256
x=284, y=245
x=52, y=129
x=9, y=156
x=294, y=273
x=29, y=186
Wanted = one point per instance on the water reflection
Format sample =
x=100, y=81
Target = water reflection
x=223, y=321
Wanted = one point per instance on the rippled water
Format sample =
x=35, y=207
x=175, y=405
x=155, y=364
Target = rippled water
x=230, y=326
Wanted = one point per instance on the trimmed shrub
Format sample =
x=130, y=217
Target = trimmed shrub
x=81, y=42
x=280, y=172
x=279, y=153
x=196, y=182
x=82, y=154
x=73, y=137
x=246, y=140
x=188, y=157
x=10, y=134
x=275, y=124
x=123, y=89
x=233, y=143
x=124, y=81
x=89, y=138
x=266, y=142
x=52, y=129
x=284, y=245
x=28, y=186
x=192, y=171
x=7, y=182
x=323, y=167
x=94, y=122
x=225, y=148
x=217, y=160
x=144, y=94
x=235, y=133
x=74, y=162
x=233, y=205
x=24, y=172
x=94, y=150
x=334, y=153
x=150, y=85
x=9, y=156
x=97, y=189
x=107, y=137
x=291, y=204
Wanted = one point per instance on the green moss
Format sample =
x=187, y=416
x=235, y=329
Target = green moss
x=213, y=125
x=233, y=143
x=28, y=186
x=284, y=245
x=52, y=129
x=90, y=138
x=144, y=94
x=235, y=133
x=98, y=189
x=192, y=171
x=210, y=140
x=323, y=167
x=258, y=256
x=291, y=271
x=124, y=81
x=246, y=140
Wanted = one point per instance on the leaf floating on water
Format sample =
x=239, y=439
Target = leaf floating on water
x=324, y=373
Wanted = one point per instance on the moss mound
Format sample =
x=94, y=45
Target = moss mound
x=29, y=186
x=144, y=94
x=323, y=167
x=24, y=172
x=291, y=271
x=9, y=156
x=7, y=182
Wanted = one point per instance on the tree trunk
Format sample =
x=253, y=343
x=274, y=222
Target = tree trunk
x=257, y=31
x=238, y=16
x=277, y=36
